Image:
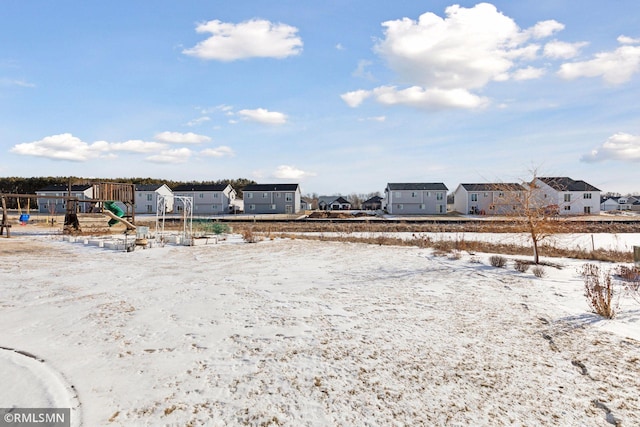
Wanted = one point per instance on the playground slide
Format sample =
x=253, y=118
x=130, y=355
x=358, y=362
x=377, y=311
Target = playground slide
x=115, y=213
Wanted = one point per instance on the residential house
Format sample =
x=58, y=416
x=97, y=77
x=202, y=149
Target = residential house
x=54, y=205
x=621, y=203
x=333, y=203
x=571, y=197
x=306, y=204
x=147, y=198
x=416, y=198
x=272, y=198
x=487, y=198
x=373, y=204
x=208, y=199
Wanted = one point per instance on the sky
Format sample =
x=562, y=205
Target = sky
x=340, y=96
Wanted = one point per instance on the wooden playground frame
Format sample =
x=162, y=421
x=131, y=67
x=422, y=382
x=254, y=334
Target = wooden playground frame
x=102, y=192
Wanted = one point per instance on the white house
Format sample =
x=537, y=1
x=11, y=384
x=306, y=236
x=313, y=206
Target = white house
x=147, y=198
x=569, y=196
x=426, y=198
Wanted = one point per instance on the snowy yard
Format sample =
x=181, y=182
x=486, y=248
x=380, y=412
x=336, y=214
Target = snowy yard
x=307, y=333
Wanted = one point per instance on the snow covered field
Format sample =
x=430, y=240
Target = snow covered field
x=306, y=333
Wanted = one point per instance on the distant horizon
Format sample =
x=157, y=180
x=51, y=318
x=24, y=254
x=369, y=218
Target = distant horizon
x=331, y=95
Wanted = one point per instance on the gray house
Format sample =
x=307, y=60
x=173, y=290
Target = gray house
x=488, y=198
x=55, y=205
x=272, y=198
x=208, y=199
x=416, y=198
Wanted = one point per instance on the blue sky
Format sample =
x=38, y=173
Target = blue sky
x=341, y=96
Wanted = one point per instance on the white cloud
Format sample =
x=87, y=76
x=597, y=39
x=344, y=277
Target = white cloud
x=262, y=115
x=442, y=60
x=60, y=147
x=14, y=82
x=620, y=146
x=374, y=119
x=181, y=138
x=198, y=121
x=544, y=29
x=291, y=172
x=133, y=146
x=628, y=40
x=220, y=151
x=562, y=50
x=339, y=46
x=254, y=38
x=528, y=73
x=419, y=97
x=355, y=98
x=361, y=70
x=615, y=67
x=178, y=155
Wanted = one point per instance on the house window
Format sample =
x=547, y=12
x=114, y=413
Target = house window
x=414, y=194
x=278, y=195
x=149, y=209
x=474, y=197
x=486, y=195
x=439, y=196
x=587, y=196
x=567, y=198
x=149, y=197
x=288, y=197
x=422, y=206
x=398, y=194
x=252, y=207
x=215, y=207
x=567, y=208
x=587, y=209
x=249, y=195
x=500, y=194
x=441, y=209
x=273, y=207
x=265, y=195
x=215, y=195
x=400, y=206
x=201, y=195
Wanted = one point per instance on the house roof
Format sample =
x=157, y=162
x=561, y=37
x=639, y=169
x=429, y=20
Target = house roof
x=271, y=187
x=374, y=199
x=500, y=186
x=433, y=186
x=63, y=187
x=147, y=187
x=200, y=187
x=327, y=200
x=564, y=183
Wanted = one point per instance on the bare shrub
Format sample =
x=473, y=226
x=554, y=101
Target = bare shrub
x=249, y=236
x=539, y=271
x=521, y=266
x=599, y=290
x=498, y=261
x=455, y=255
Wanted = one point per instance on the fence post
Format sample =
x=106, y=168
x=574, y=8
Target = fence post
x=636, y=255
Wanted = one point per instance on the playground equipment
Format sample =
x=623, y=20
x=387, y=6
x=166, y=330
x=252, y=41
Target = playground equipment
x=24, y=217
x=116, y=214
x=102, y=192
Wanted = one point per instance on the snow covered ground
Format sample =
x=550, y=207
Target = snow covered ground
x=307, y=333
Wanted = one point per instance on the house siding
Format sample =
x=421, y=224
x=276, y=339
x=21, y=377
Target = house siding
x=416, y=199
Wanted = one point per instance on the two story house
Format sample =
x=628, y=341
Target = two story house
x=54, y=205
x=208, y=199
x=416, y=198
x=272, y=198
x=487, y=198
x=570, y=196
x=147, y=198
